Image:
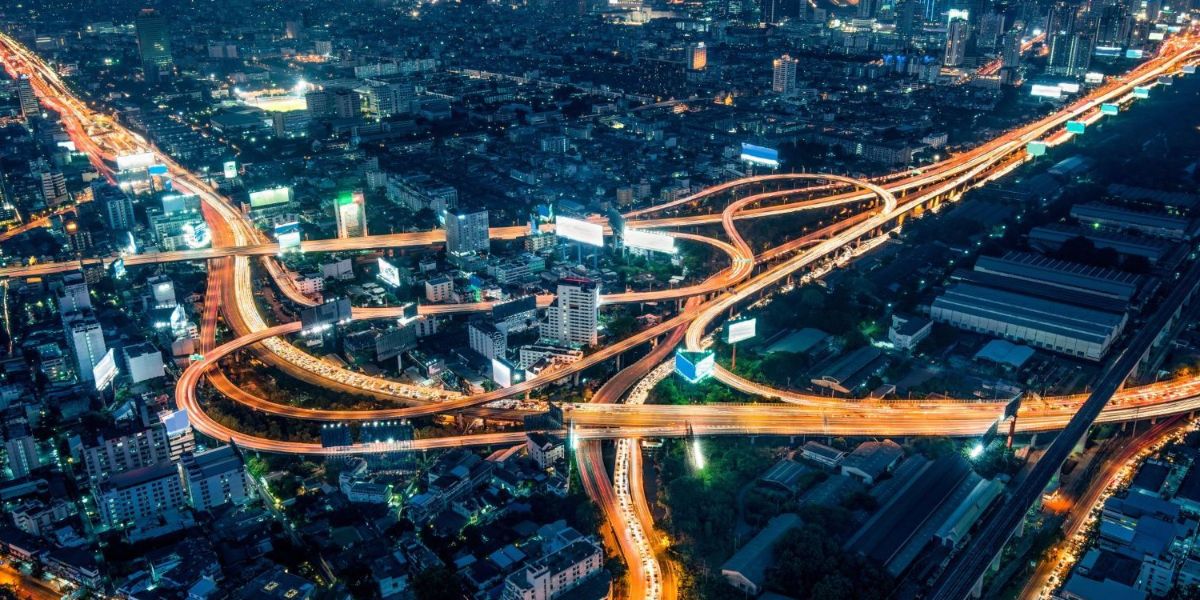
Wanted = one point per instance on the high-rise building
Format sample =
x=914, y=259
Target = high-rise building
x=574, y=317
x=27, y=97
x=140, y=494
x=783, y=80
x=467, y=232
x=73, y=295
x=350, y=209
x=118, y=208
x=215, y=477
x=119, y=449
x=87, y=341
x=154, y=42
x=697, y=56
x=333, y=103
x=486, y=339
x=867, y=9
x=1070, y=45
x=54, y=187
x=21, y=449
x=956, y=43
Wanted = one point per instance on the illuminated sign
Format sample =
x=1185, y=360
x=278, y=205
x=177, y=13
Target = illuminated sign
x=759, y=155
x=389, y=273
x=1069, y=87
x=1036, y=148
x=1189, y=69
x=1108, y=51
x=1109, y=109
x=1156, y=36
x=176, y=422
x=1166, y=80
x=271, y=197
x=175, y=203
x=131, y=247
x=158, y=170
x=105, y=371
x=649, y=240
x=230, y=168
x=505, y=374
x=695, y=366
x=579, y=231
x=1046, y=91
x=1093, y=78
x=318, y=318
x=741, y=330
x=118, y=268
x=1133, y=53
x=956, y=14
x=196, y=235
x=132, y=162
x=1141, y=92
x=288, y=236
x=1076, y=127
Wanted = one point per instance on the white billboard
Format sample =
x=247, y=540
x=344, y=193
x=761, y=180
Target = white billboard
x=288, y=236
x=131, y=162
x=1069, y=87
x=649, y=240
x=1046, y=91
x=389, y=273
x=1093, y=77
x=105, y=371
x=502, y=372
x=579, y=231
x=230, y=169
x=741, y=330
x=271, y=197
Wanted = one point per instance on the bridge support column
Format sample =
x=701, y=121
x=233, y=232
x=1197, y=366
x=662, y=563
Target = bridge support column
x=977, y=590
x=1020, y=528
x=995, y=566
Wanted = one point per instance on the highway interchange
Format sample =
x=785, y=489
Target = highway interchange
x=882, y=206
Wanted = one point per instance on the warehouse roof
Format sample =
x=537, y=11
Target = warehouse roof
x=1038, y=314
x=1060, y=273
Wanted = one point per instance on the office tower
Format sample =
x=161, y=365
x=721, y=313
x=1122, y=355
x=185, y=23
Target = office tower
x=575, y=314
x=697, y=57
x=215, y=477
x=87, y=341
x=1114, y=23
x=486, y=339
x=908, y=18
x=351, y=212
x=118, y=208
x=140, y=494
x=1064, y=38
x=53, y=186
x=867, y=9
x=956, y=43
x=21, y=449
x=783, y=81
x=1010, y=50
x=991, y=26
x=27, y=97
x=154, y=42
x=466, y=232
x=73, y=296
x=333, y=103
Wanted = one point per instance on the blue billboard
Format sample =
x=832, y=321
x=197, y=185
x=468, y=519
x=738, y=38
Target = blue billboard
x=760, y=155
x=1141, y=92
x=1036, y=148
x=695, y=366
x=1109, y=109
x=1076, y=127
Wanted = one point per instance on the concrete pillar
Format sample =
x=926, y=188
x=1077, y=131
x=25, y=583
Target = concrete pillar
x=1021, y=528
x=995, y=566
x=977, y=589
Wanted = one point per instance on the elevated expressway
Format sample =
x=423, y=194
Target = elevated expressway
x=910, y=191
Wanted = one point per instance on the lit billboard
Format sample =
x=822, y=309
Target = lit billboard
x=288, y=236
x=230, y=168
x=760, y=155
x=158, y=170
x=324, y=316
x=579, y=231
x=695, y=366
x=105, y=371
x=1069, y=87
x=1166, y=80
x=1109, y=109
x=738, y=331
x=1036, y=148
x=1076, y=127
x=1046, y=91
x=1093, y=78
x=132, y=162
x=1108, y=51
x=505, y=374
x=1189, y=69
x=271, y=197
x=1141, y=92
x=1156, y=36
x=649, y=240
x=389, y=273
x=1134, y=53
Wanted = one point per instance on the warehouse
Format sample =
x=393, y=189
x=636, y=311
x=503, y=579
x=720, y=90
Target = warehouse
x=1060, y=327
x=1051, y=237
x=1060, y=274
x=1112, y=217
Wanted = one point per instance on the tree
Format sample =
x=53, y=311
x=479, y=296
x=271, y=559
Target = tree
x=436, y=583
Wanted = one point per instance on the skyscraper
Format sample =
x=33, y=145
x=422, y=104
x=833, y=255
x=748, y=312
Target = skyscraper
x=27, y=97
x=466, y=232
x=956, y=42
x=697, y=56
x=1070, y=44
x=154, y=42
x=350, y=209
x=87, y=341
x=575, y=314
x=783, y=80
